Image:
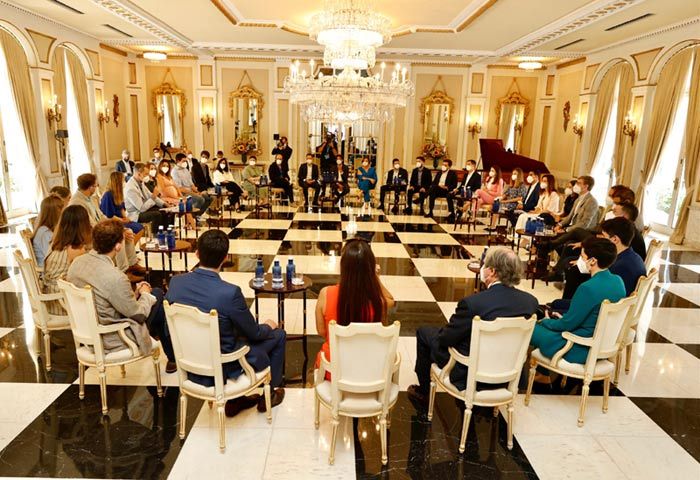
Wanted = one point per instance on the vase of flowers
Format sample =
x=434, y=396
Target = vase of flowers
x=435, y=151
x=243, y=147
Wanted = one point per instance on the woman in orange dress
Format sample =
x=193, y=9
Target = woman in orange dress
x=169, y=192
x=359, y=297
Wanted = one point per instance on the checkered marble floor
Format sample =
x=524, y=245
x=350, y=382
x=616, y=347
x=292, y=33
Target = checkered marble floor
x=652, y=428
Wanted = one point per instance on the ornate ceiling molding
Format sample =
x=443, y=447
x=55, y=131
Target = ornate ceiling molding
x=46, y=19
x=138, y=17
x=659, y=31
x=569, y=23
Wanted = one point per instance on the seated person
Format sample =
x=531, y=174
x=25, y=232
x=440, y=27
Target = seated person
x=502, y=270
x=183, y=180
x=530, y=200
x=308, y=178
x=201, y=176
x=150, y=180
x=252, y=174
x=366, y=181
x=115, y=301
x=421, y=179
x=470, y=184
x=597, y=255
x=358, y=297
x=491, y=189
x=396, y=181
x=547, y=203
x=340, y=185
x=570, y=197
x=631, y=213
x=157, y=156
x=279, y=178
x=112, y=204
x=513, y=195
x=62, y=192
x=141, y=204
x=444, y=182
x=628, y=265
x=222, y=176
x=125, y=165
x=205, y=289
x=44, y=226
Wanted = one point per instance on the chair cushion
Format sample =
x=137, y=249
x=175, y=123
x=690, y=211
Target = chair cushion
x=55, y=322
x=359, y=403
x=87, y=354
x=602, y=367
x=629, y=339
x=496, y=395
x=232, y=387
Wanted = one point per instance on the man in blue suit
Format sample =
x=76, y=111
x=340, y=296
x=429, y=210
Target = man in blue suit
x=501, y=271
x=125, y=165
x=203, y=288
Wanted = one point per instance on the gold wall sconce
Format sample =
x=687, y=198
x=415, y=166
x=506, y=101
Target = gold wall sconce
x=577, y=127
x=103, y=117
x=54, y=111
x=474, y=128
x=207, y=120
x=629, y=128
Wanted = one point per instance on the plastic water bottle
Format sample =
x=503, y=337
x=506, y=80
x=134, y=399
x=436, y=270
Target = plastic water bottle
x=496, y=206
x=259, y=273
x=188, y=204
x=528, y=226
x=162, y=241
x=217, y=189
x=291, y=270
x=277, y=281
x=171, y=238
x=181, y=206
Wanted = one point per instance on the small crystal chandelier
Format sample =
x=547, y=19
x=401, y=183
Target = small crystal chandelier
x=350, y=32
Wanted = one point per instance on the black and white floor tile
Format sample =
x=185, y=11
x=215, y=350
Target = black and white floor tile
x=652, y=428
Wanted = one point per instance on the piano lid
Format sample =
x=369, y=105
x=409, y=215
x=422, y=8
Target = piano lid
x=493, y=153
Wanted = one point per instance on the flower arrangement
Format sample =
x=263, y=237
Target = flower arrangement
x=435, y=151
x=244, y=146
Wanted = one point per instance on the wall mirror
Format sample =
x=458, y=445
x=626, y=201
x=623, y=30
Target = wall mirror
x=169, y=106
x=512, y=111
x=246, y=105
x=437, y=112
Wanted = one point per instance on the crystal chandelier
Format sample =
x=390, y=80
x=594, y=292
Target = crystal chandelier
x=350, y=32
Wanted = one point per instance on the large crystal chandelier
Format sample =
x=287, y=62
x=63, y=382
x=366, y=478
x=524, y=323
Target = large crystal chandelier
x=351, y=32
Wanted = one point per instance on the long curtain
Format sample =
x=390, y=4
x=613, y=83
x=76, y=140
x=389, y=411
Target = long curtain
x=666, y=98
x=692, y=149
x=80, y=90
x=23, y=94
x=603, y=105
x=623, y=103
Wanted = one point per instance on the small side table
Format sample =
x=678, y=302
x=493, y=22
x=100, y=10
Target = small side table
x=175, y=211
x=262, y=205
x=181, y=246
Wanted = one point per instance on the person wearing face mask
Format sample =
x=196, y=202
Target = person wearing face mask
x=307, y=176
x=327, y=151
x=491, y=189
x=143, y=205
x=149, y=179
x=444, y=182
x=279, y=178
x=168, y=189
x=157, y=156
x=512, y=196
x=396, y=180
x=201, y=175
x=183, y=181
x=112, y=204
x=421, y=179
x=125, y=165
x=532, y=196
x=580, y=319
x=501, y=272
x=547, y=204
x=366, y=181
x=251, y=177
x=340, y=185
x=285, y=150
x=569, y=198
x=222, y=176
x=471, y=182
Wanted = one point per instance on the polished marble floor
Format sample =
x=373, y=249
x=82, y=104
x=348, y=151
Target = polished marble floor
x=652, y=429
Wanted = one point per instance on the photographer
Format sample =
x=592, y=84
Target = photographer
x=285, y=150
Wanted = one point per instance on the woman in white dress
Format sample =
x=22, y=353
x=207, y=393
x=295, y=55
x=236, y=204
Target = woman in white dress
x=548, y=203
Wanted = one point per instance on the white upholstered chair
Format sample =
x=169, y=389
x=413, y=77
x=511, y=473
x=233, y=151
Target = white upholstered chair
x=364, y=376
x=604, y=346
x=197, y=346
x=43, y=320
x=653, y=255
x=87, y=334
x=645, y=285
x=26, y=236
x=497, y=353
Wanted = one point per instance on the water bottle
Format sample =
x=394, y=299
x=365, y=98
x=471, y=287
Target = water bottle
x=540, y=226
x=277, y=281
x=259, y=273
x=171, y=238
x=496, y=206
x=291, y=269
x=188, y=204
x=162, y=242
x=181, y=206
x=468, y=193
x=217, y=188
x=528, y=226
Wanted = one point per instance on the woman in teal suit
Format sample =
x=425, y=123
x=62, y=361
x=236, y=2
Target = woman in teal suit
x=597, y=254
x=366, y=180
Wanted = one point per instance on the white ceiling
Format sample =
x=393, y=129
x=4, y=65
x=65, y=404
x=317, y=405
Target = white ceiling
x=490, y=31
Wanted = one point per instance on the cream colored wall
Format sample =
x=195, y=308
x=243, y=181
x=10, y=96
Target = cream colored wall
x=561, y=155
x=113, y=70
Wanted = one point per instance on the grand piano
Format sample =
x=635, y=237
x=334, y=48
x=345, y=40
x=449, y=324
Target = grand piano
x=493, y=154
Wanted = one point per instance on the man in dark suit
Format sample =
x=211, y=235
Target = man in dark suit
x=444, y=182
x=396, y=181
x=502, y=270
x=340, y=185
x=285, y=150
x=201, y=176
x=280, y=179
x=471, y=182
x=125, y=165
x=203, y=288
x=421, y=178
x=308, y=178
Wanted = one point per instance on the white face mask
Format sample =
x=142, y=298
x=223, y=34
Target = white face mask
x=582, y=265
x=396, y=166
x=222, y=166
x=183, y=165
x=482, y=274
x=418, y=164
x=153, y=173
x=443, y=168
x=204, y=160
x=577, y=188
x=543, y=186
x=514, y=176
x=609, y=215
x=492, y=174
x=568, y=191
x=278, y=161
x=125, y=157
x=470, y=168
x=530, y=179
x=164, y=170
x=157, y=155
x=251, y=163
x=189, y=155
x=339, y=162
x=608, y=201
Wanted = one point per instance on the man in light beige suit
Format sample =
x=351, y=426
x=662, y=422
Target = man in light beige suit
x=126, y=259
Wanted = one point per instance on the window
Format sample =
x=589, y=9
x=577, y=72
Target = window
x=15, y=157
x=603, y=171
x=79, y=162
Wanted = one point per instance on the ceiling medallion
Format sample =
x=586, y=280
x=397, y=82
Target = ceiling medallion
x=350, y=32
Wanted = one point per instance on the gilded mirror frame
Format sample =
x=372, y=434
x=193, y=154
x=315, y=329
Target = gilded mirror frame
x=167, y=88
x=247, y=92
x=513, y=97
x=437, y=97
